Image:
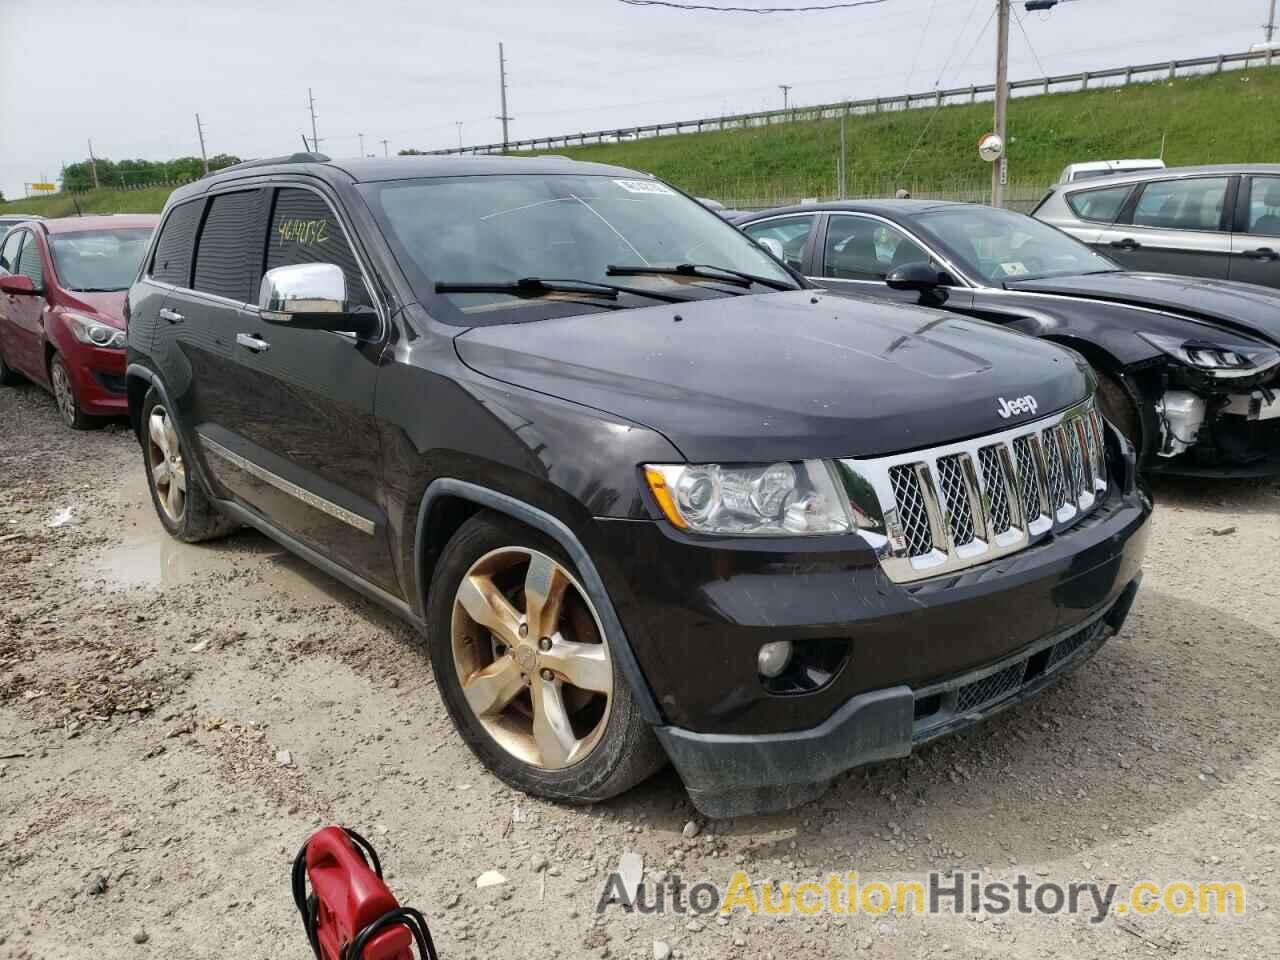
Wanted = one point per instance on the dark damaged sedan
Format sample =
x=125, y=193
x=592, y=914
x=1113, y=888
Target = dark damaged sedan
x=649, y=495
x=1188, y=368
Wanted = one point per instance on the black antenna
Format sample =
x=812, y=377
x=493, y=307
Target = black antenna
x=306, y=147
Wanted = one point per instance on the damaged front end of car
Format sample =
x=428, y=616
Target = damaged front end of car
x=1217, y=407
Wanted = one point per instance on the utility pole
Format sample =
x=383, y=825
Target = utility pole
x=315, y=140
x=384, y=148
x=786, y=91
x=1000, y=168
x=1271, y=22
x=93, y=165
x=203, y=156
x=458, y=124
x=502, y=79
x=844, y=159
x=361, y=136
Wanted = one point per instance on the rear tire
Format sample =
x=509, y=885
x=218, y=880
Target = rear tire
x=64, y=393
x=597, y=745
x=183, y=505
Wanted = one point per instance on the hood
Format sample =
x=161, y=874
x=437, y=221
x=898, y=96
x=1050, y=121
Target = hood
x=109, y=305
x=785, y=376
x=1242, y=307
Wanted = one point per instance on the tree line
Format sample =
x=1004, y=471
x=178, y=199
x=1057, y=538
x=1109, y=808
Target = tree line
x=132, y=173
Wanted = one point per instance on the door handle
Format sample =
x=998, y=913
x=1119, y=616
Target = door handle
x=256, y=344
x=1128, y=243
x=1263, y=253
x=173, y=316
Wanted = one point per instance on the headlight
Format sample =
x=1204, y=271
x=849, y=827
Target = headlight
x=93, y=332
x=778, y=499
x=1218, y=358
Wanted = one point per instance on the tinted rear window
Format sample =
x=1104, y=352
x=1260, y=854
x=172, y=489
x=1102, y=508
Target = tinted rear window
x=172, y=260
x=1100, y=206
x=229, y=254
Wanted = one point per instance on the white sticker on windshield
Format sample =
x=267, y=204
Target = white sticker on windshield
x=646, y=186
x=1016, y=269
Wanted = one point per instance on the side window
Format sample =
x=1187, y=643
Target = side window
x=229, y=251
x=305, y=230
x=1264, y=206
x=1182, y=204
x=1100, y=206
x=9, y=252
x=30, y=263
x=861, y=249
x=790, y=232
x=172, y=260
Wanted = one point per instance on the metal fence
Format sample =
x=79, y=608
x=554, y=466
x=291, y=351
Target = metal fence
x=1116, y=76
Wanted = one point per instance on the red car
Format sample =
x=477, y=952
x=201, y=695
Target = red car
x=63, y=285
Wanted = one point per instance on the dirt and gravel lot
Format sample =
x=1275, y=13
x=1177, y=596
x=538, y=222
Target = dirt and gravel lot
x=175, y=720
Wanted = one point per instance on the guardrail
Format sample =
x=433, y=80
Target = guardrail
x=1041, y=85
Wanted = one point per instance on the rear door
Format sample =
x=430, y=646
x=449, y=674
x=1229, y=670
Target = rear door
x=1255, y=246
x=286, y=415
x=1178, y=226
x=1094, y=214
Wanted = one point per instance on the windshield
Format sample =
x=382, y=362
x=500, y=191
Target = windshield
x=98, y=259
x=502, y=229
x=999, y=245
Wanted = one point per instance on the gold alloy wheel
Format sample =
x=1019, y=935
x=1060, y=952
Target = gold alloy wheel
x=62, y=393
x=531, y=659
x=168, y=471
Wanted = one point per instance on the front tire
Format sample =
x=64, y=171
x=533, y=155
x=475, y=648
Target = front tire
x=64, y=392
x=525, y=668
x=184, y=506
x=1119, y=405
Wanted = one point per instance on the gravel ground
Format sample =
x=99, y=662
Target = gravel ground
x=149, y=691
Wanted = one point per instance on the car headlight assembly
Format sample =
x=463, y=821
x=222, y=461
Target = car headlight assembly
x=1219, y=358
x=94, y=332
x=765, y=500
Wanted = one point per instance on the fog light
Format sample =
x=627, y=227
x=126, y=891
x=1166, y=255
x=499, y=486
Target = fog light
x=774, y=657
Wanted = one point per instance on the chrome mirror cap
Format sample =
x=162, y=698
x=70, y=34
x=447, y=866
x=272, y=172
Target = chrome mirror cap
x=302, y=288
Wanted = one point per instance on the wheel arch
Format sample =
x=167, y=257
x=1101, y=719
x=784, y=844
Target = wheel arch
x=448, y=503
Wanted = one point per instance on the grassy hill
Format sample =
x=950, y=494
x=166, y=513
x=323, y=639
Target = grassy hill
x=1210, y=119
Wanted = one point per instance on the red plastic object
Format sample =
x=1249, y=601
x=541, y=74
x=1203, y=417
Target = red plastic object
x=349, y=897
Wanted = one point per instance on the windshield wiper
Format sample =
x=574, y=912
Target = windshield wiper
x=533, y=287
x=705, y=271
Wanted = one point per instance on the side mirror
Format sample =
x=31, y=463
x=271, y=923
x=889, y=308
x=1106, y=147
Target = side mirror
x=919, y=275
x=17, y=284
x=311, y=296
x=773, y=245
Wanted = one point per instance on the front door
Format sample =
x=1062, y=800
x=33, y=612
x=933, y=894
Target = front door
x=858, y=252
x=1175, y=226
x=287, y=424
x=1255, y=247
x=24, y=336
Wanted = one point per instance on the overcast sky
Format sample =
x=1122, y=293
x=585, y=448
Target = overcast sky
x=131, y=75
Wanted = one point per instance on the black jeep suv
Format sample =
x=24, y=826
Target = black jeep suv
x=650, y=495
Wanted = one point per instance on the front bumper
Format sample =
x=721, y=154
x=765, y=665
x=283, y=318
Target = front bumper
x=99, y=378
x=730, y=776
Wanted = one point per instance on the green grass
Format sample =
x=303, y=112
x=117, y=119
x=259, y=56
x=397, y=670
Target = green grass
x=150, y=200
x=1213, y=119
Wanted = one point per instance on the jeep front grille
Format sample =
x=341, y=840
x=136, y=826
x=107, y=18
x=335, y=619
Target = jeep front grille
x=951, y=507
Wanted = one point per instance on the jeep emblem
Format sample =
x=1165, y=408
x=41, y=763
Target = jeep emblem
x=1018, y=405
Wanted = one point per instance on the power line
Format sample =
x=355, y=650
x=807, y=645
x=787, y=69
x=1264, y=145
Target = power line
x=709, y=8
x=1025, y=36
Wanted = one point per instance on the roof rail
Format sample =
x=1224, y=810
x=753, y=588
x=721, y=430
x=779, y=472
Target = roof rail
x=272, y=162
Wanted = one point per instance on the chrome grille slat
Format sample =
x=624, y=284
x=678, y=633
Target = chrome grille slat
x=954, y=506
x=955, y=494
x=1000, y=517
x=912, y=513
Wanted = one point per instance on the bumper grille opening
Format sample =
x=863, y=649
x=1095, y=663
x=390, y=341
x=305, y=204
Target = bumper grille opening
x=989, y=689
